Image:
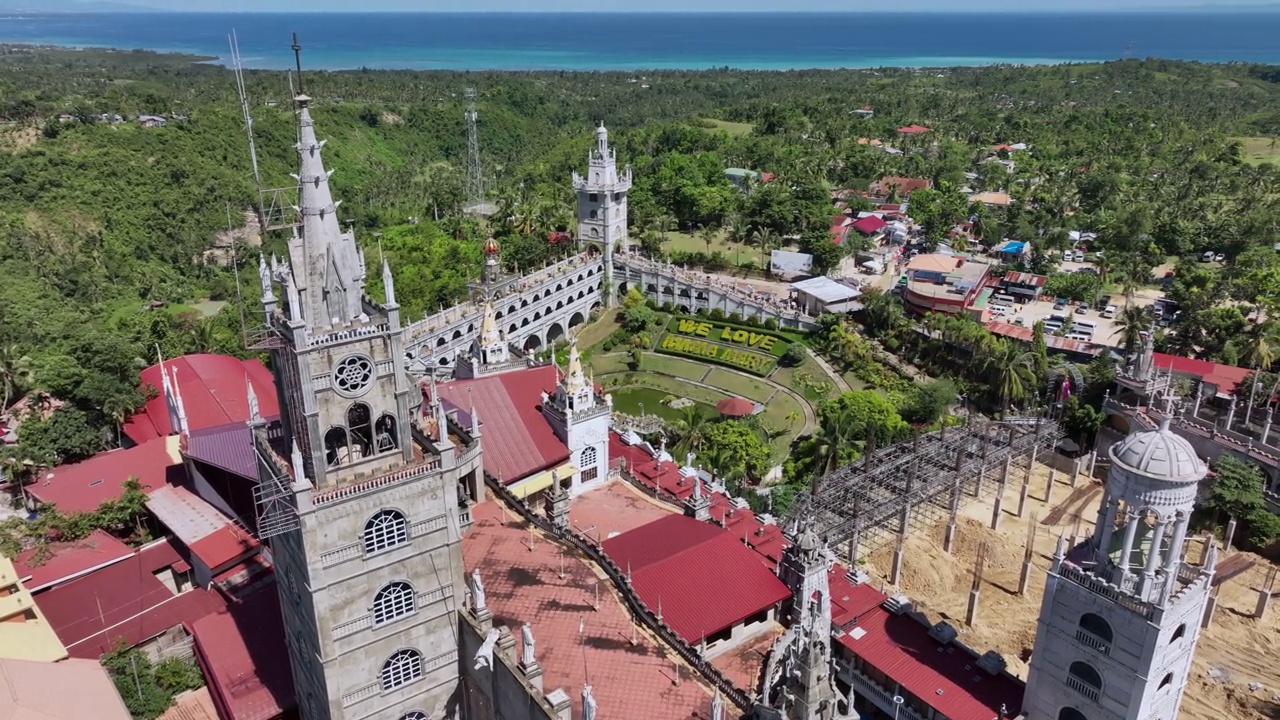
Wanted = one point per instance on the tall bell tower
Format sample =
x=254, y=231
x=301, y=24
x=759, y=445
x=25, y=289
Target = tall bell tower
x=361, y=508
x=602, y=205
x=1122, y=611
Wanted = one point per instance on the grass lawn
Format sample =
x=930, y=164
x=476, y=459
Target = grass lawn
x=668, y=386
x=736, y=252
x=597, y=331
x=786, y=377
x=667, y=365
x=603, y=364
x=634, y=398
x=733, y=128
x=748, y=388
x=855, y=383
x=1260, y=149
x=775, y=413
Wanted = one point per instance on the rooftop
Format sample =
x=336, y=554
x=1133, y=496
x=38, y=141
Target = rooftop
x=242, y=652
x=1023, y=333
x=574, y=638
x=825, y=289
x=83, y=486
x=122, y=601
x=228, y=447
x=614, y=509
x=904, y=185
x=1225, y=377
x=192, y=705
x=521, y=441
x=40, y=568
x=869, y=224
x=213, y=390
x=211, y=536
x=32, y=690
x=992, y=198
x=913, y=129
x=1028, y=279
x=24, y=632
x=1159, y=454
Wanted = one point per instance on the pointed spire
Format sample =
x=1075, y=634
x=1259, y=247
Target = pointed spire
x=255, y=415
x=1061, y=550
x=717, y=707
x=299, y=468
x=475, y=421
x=388, y=283
x=574, y=380
x=180, y=410
x=489, y=326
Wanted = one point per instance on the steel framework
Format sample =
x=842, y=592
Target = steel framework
x=475, y=177
x=913, y=484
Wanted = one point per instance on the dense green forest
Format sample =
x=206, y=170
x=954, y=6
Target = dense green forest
x=106, y=224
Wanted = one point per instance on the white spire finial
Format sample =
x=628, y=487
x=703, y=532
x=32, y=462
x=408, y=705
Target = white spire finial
x=255, y=415
x=388, y=283
x=179, y=409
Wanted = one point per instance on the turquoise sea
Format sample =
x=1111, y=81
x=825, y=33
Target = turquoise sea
x=635, y=41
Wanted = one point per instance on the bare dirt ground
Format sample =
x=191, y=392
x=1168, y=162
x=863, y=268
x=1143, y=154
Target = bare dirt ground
x=1241, y=649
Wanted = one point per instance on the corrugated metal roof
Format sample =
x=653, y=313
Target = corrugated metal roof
x=1029, y=279
x=825, y=289
x=242, y=651
x=1226, y=377
x=83, y=486
x=676, y=560
x=69, y=560
x=518, y=439
x=210, y=535
x=66, y=690
x=229, y=447
x=213, y=390
x=1019, y=332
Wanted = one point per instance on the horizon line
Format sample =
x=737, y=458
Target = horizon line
x=138, y=9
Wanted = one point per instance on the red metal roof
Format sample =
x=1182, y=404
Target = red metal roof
x=673, y=563
x=1226, y=377
x=869, y=224
x=518, y=439
x=1019, y=332
x=904, y=185
x=210, y=535
x=83, y=486
x=121, y=601
x=913, y=129
x=1028, y=279
x=242, y=652
x=213, y=390
x=66, y=561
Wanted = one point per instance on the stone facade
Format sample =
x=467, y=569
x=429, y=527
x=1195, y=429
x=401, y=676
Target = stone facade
x=602, y=205
x=581, y=419
x=1121, y=612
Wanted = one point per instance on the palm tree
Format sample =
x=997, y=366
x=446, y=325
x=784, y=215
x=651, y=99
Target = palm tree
x=1260, y=352
x=15, y=374
x=1134, y=320
x=691, y=429
x=1011, y=369
x=118, y=408
x=206, y=336
x=707, y=233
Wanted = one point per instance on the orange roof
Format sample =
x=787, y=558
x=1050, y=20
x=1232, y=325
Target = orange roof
x=67, y=690
x=934, y=262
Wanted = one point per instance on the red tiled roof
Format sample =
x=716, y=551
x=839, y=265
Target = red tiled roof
x=675, y=560
x=1019, y=332
x=121, y=601
x=210, y=535
x=1029, y=279
x=69, y=560
x=904, y=185
x=1226, y=377
x=213, y=390
x=520, y=441
x=913, y=129
x=946, y=678
x=869, y=225
x=85, y=485
x=242, y=652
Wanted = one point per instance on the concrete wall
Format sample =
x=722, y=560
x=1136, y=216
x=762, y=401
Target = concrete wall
x=503, y=691
x=692, y=292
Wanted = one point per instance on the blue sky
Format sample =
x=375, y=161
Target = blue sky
x=681, y=5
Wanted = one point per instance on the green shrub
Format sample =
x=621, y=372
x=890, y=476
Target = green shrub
x=770, y=324
x=717, y=314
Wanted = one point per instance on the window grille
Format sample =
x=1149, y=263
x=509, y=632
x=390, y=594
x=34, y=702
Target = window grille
x=387, y=529
x=401, y=669
x=393, y=601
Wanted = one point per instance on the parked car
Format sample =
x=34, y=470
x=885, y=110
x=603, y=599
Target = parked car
x=1103, y=302
x=1082, y=309
x=1109, y=312
x=1220, y=257
x=1206, y=256
x=1079, y=256
x=1060, y=304
x=1019, y=321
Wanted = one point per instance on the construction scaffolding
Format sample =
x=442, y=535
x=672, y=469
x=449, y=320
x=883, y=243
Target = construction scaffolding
x=915, y=484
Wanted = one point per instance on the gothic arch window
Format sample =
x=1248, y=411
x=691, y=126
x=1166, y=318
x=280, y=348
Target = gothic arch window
x=384, y=433
x=401, y=669
x=513, y=328
x=359, y=424
x=1177, y=634
x=441, y=341
x=1085, y=679
x=497, y=315
x=1070, y=713
x=588, y=458
x=1165, y=681
x=414, y=715
x=595, y=232
x=395, y=600
x=457, y=334
x=593, y=215
x=337, y=447
x=1095, y=632
x=385, y=530
x=511, y=310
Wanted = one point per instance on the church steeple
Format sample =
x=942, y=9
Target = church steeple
x=602, y=204
x=327, y=265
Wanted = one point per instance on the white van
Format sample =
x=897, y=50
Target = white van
x=1003, y=299
x=1052, y=326
x=1206, y=256
x=1083, y=326
x=1075, y=335
x=1109, y=312
x=1057, y=317
x=1079, y=256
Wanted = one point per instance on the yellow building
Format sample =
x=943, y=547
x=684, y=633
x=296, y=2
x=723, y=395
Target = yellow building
x=24, y=633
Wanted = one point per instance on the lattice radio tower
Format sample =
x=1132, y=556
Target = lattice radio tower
x=475, y=177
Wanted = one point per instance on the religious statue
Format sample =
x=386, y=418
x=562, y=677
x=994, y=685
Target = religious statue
x=291, y=292
x=477, y=591
x=484, y=656
x=717, y=707
x=527, y=658
x=588, y=704
x=264, y=274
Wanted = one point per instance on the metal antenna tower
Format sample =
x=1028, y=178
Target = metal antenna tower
x=274, y=205
x=475, y=178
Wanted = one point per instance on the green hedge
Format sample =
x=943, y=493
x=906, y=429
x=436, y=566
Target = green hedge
x=752, y=349
x=717, y=353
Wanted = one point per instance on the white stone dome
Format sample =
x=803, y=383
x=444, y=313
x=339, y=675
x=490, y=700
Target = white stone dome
x=1159, y=454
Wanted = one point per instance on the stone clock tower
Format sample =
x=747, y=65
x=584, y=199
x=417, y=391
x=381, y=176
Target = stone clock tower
x=361, y=512
x=602, y=205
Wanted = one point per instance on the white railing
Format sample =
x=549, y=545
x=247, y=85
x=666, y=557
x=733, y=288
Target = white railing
x=339, y=555
x=1083, y=687
x=1088, y=639
x=359, y=694
x=394, y=478
x=880, y=697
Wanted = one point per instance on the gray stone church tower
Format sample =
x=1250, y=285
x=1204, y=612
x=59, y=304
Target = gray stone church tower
x=358, y=495
x=1122, y=611
x=602, y=205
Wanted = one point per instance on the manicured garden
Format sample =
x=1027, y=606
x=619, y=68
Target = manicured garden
x=751, y=349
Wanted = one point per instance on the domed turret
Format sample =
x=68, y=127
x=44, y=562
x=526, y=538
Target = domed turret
x=1159, y=455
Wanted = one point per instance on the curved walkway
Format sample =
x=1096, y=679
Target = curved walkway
x=810, y=419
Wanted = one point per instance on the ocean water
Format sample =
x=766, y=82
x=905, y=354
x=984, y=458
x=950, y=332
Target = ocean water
x=636, y=41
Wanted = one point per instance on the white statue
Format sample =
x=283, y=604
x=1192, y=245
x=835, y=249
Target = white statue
x=527, y=658
x=588, y=704
x=717, y=707
x=477, y=591
x=264, y=274
x=484, y=656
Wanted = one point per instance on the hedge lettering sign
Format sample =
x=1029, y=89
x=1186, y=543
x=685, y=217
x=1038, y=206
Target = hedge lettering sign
x=751, y=349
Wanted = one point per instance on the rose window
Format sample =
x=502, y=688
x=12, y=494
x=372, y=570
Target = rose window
x=353, y=376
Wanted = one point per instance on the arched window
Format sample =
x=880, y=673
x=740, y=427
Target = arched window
x=358, y=424
x=587, y=464
x=387, y=529
x=414, y=715
x=1177, y=634
x=1095, y=632
x=1070, y=713
x=384, y=432
x=401, y=669
x=394, y=600
x=1166, y=680
x=337, y=447
x=588, y=457
x=1084, y=680
x=593, y=215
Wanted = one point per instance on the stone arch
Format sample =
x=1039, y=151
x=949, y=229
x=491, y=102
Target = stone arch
x=1095, y=632
x=699, y=295
x=524, y=323
x=595, y=306
x=579, y=277
x=337, y=446
x=582, y=294
x=444, y=362
x=576, y=319
x=559, y=304
x=441, y=342
x=511, y=310
x=555, y=331
x=685, y=309
x=594, y=214
x=524, y=303
x=684, y=292
x=384, y=433
x=533, y=342
x=1178, y=633
x=1166, y=681
x=569, y=282
x=559, y=287
x=457, y=334
x=360, y=427
x=471, y=327
x=651, y=289
x=595, y=233
x=1070, y=713
x=1119, y=422
x=537, y=315
x=1089, y=679
x=497, y=315
x=512, y=330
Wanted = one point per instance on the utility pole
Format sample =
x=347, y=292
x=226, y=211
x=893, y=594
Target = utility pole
x=475, y=176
